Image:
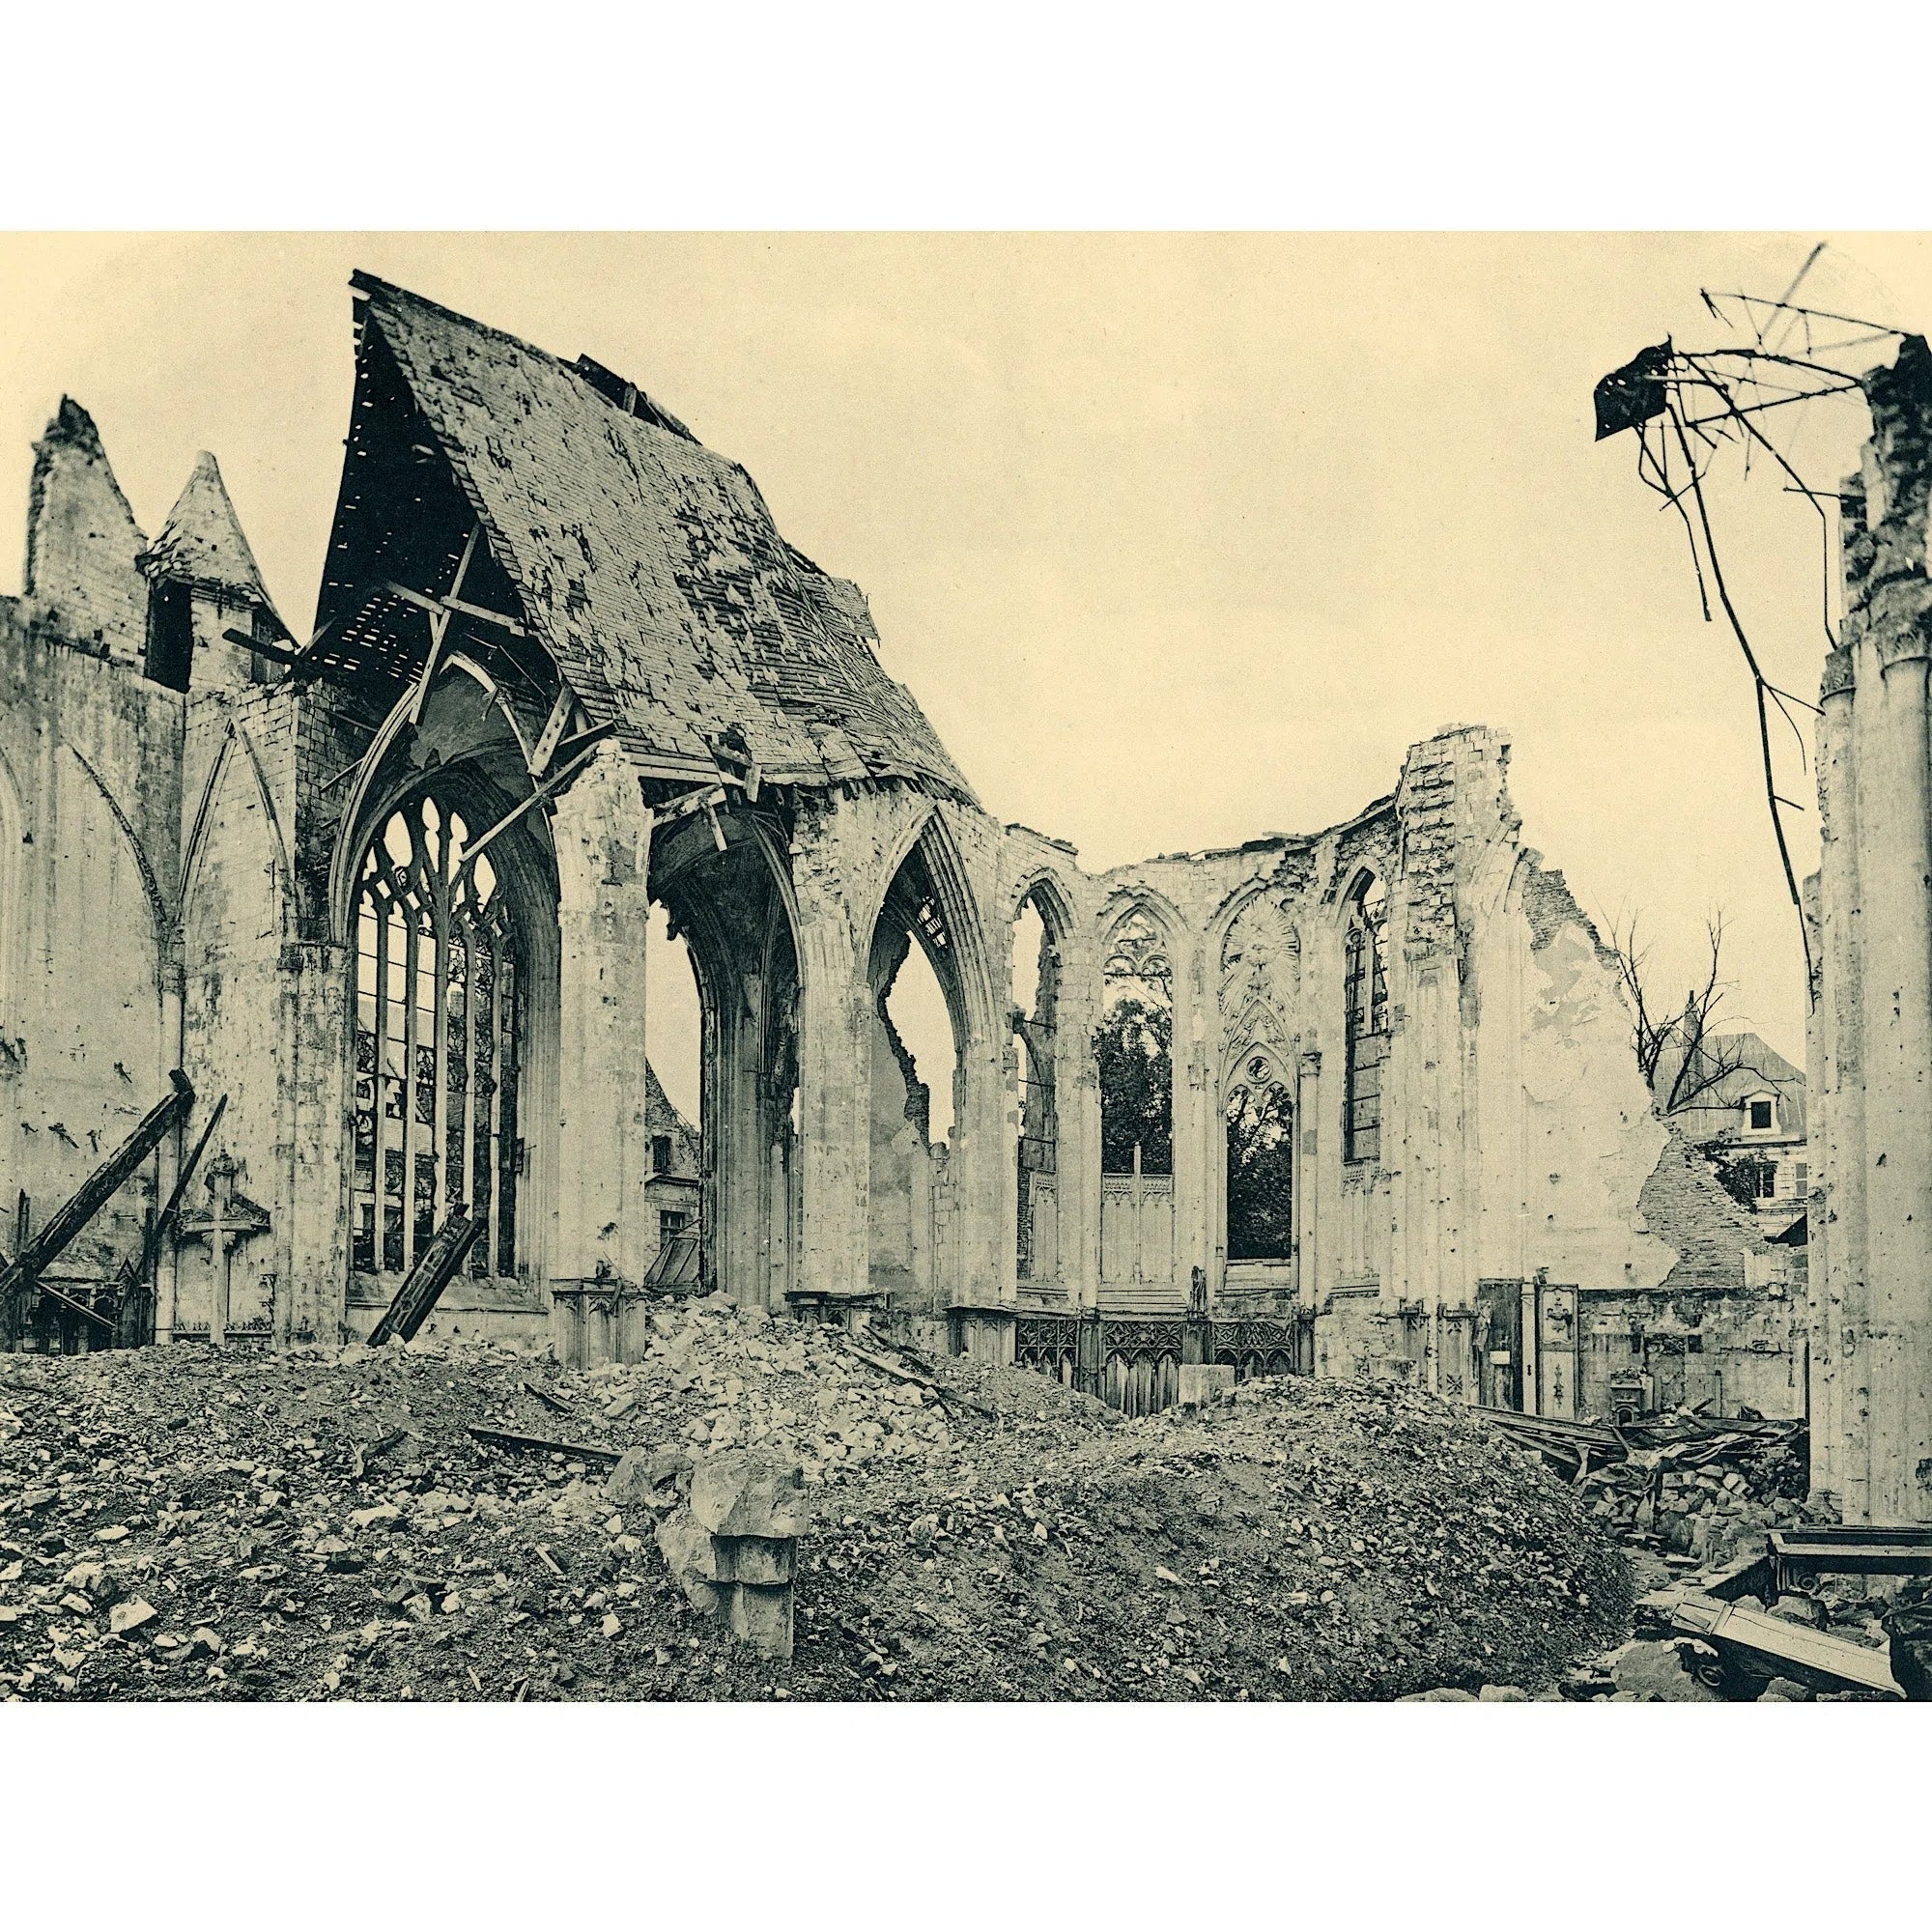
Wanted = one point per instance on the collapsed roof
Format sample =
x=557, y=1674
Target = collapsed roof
x=647, y=566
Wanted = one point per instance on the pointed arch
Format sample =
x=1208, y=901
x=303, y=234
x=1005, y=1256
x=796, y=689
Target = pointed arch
x=1365, y=1015
x=376, y=782
x=161, y=911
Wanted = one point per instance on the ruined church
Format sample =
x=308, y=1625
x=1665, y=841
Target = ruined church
x=322, y=965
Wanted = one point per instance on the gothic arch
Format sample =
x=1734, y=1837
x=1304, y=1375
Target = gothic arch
x=377, y=783
x=1045, y=884
x=158, y=908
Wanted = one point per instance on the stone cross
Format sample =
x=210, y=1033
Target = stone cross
x=226, y=1219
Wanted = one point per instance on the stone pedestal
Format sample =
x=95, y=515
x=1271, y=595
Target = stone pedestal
x=733, y=1543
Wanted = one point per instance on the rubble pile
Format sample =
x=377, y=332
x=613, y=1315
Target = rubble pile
x=462, y=1521
x=1710, y=1493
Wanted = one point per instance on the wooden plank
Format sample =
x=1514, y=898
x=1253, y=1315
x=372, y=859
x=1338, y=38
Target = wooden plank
x=137, y=1272
x=552, y=730
x=94, y=1314
x=510, y=1438
x=1777, y=1641
x=92, y=1194
x=435, y=1268
x=447, y=606
x=545, y=789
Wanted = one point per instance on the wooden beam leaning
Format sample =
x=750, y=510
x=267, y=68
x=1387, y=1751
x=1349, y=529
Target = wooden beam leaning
x=554, y=782
x=139, y=1271
x=552, y=730
x=438, y=630
x=23, y=1272
x=435, y=1270
x=502, y=620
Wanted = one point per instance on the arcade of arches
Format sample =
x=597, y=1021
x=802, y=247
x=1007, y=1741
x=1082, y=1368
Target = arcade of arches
x=387, y=896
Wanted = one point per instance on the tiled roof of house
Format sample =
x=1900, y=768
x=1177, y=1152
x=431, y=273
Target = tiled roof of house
x=649, y=566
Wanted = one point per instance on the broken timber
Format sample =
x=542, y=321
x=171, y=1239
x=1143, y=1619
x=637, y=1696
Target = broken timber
x=1766, y=1645
x=435, y=1268
x=139, y=1273
x=509, y=1439
x=22, y=1273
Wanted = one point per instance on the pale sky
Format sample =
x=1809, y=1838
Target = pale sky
x=1178, y=540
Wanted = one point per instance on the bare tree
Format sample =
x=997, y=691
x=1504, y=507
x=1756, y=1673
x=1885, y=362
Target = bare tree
x=1679, y=1051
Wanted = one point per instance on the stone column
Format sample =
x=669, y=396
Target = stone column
x=1895, y=872
x=1077, y=1096
x=1888, y=629
x=1194, y=1110
x=836, y=1019
x=602, y=831
x=1839, y=1469
x=1307, y=1172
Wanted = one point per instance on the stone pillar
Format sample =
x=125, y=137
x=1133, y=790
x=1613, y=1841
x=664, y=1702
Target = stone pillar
x=1077, y=1095
x=836, y=1019
x=1196, y=1116
x=318, y=976
x=1877, y=977
x=602, y=831
x=1307, y=1174
x=1841, y=1474
x=1896, y=874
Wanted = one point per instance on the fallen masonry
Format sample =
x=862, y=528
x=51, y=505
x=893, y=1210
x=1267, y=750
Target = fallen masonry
x=326, y=1522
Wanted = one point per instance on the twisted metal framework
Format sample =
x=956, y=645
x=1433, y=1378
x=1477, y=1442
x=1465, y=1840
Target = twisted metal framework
x=1689, y=406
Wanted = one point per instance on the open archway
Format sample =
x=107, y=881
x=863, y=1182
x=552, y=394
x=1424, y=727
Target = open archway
x=920, y=1025
x=1040, y=930
x=1134, y=1057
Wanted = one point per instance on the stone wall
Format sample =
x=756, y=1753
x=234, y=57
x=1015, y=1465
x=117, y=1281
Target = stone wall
x=90, y=1007
x=1871, y=1023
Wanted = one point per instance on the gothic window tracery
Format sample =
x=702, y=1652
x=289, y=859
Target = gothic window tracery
x=1134, y=1048
x=439, y=986
x=1365, y=1021
x=1260, y=1118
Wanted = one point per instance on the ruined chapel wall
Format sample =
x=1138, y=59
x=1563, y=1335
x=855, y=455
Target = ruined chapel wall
x=1872, y=1020
x=89, y=809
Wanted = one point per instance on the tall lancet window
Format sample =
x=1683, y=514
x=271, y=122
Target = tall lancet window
x=438, y=984
x=1365, y=1021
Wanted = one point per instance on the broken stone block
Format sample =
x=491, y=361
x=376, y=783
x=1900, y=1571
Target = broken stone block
x=761, y=1560
x=647, y=1476
x=761, y=1617
x=732, y=1548
x=687, y=1548
x=740, y=1492
x=1656, y=1673
x=131, y=1615
x=1205, y=1383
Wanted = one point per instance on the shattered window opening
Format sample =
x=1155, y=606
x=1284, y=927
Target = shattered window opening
x=1365, y=1022
x=1134, y=1047
x=1260, y=1147
x=436, y=1061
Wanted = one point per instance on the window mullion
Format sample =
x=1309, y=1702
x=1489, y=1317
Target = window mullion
x=409, y=1133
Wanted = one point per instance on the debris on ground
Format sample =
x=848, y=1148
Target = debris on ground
x=465, y=1521
x=1697, y=1487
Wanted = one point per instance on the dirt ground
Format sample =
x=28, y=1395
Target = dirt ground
x=180, y=1523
